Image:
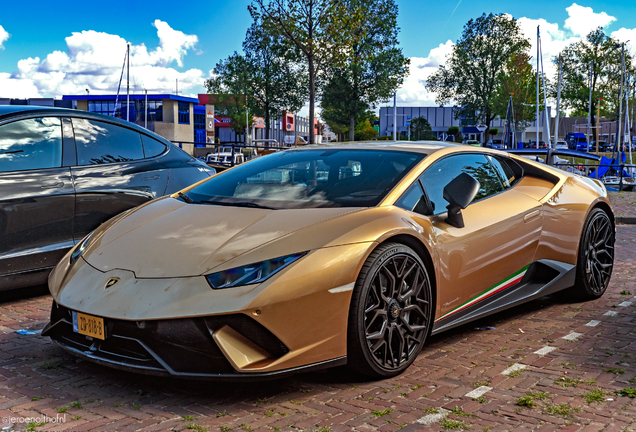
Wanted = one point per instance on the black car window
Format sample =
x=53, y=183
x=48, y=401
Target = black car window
x=413, y=199
x=438, y=175
x=100, y=143
x=29, y=144
x=505, y=170
x=152, y=147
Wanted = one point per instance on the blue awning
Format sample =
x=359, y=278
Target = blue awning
x=470, y=129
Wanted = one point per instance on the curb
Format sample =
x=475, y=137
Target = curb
x=627, y=220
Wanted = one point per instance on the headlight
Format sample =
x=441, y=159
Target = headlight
x=79, y=250
x=252, y=273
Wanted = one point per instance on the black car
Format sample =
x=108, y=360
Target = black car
x=64, y=172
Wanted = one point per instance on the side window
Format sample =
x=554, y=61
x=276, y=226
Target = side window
x=100, y=143
x=438, y=175
x=413, y=199
x=152, y=147
x=509, y=171
x=31, y=144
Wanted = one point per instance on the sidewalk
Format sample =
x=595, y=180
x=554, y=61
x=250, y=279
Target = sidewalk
x=624, y=205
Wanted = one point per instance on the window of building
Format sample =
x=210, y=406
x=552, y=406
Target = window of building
x=137, y=109
x=184, y=113
x=31, y=144
x=100, y=143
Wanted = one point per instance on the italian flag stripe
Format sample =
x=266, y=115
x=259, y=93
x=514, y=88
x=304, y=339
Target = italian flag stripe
x=506, y=283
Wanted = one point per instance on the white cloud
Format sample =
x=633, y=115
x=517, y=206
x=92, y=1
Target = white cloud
x=4, y=35
x=626, y=35
x=413, y=91
x=583, y=20
x=94, y=60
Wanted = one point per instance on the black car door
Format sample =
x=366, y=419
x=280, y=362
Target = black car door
x=112, y=174
x=36, y=196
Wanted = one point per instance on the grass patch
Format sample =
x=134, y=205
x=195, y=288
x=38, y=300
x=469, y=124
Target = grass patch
x=188, y=418
x=596, y=395
x=226, y=428
x=50, y=366
x=76, y=404
x=625, y=292
x=262, y=401
x=449, y=424
x=431, y=411
x=515, y=373
x=32, y=425
x=539, y=395
x=196, y=427
x=480, y=399
x=62, y=409
x=245, y=427
x=526, y=401
x=270, y=413
x=460, y=412
x=615, y=371
x=568, y=382
x=379, y=413
x=629, y=392
x=481, y=383
x=563, y=410
x=416, y=386
x=221, y=414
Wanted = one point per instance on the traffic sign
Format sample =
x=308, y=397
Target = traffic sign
x=481, y=128
x=407, y=123
x=408, y=117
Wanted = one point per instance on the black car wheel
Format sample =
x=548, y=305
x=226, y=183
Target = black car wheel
x=391, y=312
x=596, y=256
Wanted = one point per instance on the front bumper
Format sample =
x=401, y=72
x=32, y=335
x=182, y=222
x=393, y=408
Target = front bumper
x=187, y=347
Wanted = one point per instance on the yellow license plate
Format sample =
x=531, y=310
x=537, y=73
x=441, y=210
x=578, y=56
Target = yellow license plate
x=89, y=325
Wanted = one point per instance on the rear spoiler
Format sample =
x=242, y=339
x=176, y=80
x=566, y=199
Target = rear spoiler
x=550, y=153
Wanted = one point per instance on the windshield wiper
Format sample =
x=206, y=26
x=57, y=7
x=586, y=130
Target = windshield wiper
x=185, y=197
x=238, y=204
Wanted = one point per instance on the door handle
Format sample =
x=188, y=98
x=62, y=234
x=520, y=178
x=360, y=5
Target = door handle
x=532, y=216
x=155, y=177
x=52, y=185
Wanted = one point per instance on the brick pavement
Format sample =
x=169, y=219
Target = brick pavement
x=624, y=206
x=591, y=354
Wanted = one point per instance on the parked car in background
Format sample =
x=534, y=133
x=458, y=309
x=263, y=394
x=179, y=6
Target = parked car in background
x=291, y=140
x=64, y=172
x=574, y=139
x=561, y=145
x=472, y=142
x=496, y=144
x=603, y=146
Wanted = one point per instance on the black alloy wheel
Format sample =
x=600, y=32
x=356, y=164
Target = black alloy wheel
x=596, y=256
x=391, y=310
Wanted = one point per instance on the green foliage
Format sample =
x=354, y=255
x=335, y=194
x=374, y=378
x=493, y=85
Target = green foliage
x=629, y=392
x=373, y=66
x=615, y=371
x=453, y=424
x=268, y=72
x=576, y=60
x=421, y=130
x=379, y=413
x=596, y=395
x=460, y=412
x=526, y=401
x=564, y=410
x=76, y=404
x=469, y=76
x=517, y=79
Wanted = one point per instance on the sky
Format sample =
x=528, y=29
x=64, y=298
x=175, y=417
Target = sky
x=48, y=51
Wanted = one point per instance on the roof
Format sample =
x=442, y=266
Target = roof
x=135, y=97
x=426, y=147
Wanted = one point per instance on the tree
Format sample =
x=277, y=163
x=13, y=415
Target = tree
x=314, y=27
x=268, y=73
x=455, y=133
x=421, y=129
x=374, y=66
x=469, y=77
x=494, y=131
x=519, y=80
x=576, y=59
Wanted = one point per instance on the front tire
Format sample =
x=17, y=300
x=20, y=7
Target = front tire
x=596, y=256
x=390, y=313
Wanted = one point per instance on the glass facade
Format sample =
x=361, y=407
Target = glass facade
x=137, y=109
x=184, y=113
x=199, y=126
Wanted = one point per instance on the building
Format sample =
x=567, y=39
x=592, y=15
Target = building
x=441, y=118
x=171, y=116
x=48, y=102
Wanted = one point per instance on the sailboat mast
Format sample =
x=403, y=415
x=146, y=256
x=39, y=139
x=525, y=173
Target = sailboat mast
x=545, y=99
x=128, y=83
x=537, y=118
x=589, y=113
x=620, y=109
x=556, y=126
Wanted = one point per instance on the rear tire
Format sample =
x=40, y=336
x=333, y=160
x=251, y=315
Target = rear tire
x=596, y=256
x=391, y=312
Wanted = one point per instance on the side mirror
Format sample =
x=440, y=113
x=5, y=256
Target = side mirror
x=459, y=193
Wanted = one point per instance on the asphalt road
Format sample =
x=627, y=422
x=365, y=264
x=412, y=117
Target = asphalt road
x=548, y=365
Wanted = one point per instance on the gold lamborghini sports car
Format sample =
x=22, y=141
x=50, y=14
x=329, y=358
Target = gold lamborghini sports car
x=325, y=255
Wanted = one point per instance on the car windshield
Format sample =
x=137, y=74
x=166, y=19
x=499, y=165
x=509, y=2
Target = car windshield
x=308, y=178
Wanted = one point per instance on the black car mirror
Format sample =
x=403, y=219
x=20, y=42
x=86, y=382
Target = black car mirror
x=459, y=193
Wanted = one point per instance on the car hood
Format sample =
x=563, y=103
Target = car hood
x=169, y=238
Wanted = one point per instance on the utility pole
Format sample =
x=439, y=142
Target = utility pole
x=395, y=116
x=589, y=111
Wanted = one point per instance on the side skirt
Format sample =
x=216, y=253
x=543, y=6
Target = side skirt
x=541, y=278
